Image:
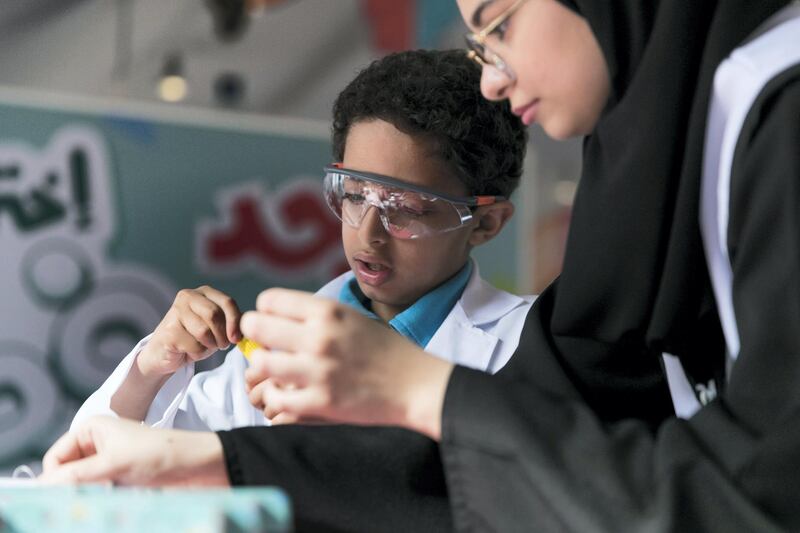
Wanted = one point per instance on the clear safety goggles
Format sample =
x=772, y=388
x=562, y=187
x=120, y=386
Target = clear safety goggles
x=406, y=211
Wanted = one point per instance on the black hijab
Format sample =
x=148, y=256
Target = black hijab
x=634, y=269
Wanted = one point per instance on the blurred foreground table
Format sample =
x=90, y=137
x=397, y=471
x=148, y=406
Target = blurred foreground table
x=101, y=509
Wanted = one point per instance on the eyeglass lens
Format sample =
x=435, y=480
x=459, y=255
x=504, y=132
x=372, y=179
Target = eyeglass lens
x=404, y=214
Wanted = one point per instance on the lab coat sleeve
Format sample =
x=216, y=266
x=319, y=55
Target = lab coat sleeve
x=164, y=407
x=523, y=452
x=210, y=400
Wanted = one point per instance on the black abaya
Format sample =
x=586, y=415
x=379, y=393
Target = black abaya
x=575, y=434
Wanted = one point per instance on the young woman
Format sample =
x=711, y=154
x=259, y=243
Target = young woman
x=684, y=240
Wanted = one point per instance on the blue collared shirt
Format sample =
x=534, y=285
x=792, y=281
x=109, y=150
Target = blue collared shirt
x=421, y=320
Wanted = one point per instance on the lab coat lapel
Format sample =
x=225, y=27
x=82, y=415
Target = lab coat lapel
x=460, y=341
x=464, y=337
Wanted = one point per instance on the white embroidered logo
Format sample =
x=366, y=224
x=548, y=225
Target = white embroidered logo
x=706, y=393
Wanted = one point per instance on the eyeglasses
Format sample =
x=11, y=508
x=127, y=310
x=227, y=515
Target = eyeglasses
x=406, y=211
x=480, y=52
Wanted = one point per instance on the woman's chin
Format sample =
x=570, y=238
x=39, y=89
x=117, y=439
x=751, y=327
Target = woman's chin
x=563, y=130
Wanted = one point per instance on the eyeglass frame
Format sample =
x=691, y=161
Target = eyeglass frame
x=471, y=202
x=475, y=39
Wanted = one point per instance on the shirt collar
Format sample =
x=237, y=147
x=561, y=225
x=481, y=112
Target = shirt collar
x=422, y=319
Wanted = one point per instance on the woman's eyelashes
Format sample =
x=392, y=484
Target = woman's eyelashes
x=500, y=31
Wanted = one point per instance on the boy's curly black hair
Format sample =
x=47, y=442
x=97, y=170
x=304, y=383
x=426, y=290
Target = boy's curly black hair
x=436, y=95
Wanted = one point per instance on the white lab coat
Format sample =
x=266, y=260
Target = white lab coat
x=481, y=331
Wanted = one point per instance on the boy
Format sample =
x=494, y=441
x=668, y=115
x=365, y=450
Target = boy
x=424, y=168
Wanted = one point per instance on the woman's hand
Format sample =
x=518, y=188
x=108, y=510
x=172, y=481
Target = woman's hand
x=105, y=449
x=328, y=362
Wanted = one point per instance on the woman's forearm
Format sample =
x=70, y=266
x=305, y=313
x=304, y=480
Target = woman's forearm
x=196, y=459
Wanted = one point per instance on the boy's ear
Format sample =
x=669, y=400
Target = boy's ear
x=490, y=219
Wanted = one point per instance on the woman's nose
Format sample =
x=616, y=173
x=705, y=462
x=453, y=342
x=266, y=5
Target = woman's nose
x=494, y=83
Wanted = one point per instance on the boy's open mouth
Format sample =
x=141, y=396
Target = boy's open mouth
x=372, y=273
x=375, y=266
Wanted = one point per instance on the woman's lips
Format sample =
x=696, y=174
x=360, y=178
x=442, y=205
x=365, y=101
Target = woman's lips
x=370, y=276
x=527, y=113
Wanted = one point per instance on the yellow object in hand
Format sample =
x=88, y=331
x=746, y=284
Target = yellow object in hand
x=247, y=346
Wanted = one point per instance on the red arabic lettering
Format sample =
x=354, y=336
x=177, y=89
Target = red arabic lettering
x=392, y=23
x=250, y=236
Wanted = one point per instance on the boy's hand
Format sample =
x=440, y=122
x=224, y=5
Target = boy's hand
x=326, y=361
x=200, y=322
x=106, y=449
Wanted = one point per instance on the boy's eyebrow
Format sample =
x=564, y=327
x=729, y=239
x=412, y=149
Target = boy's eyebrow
x=476, y=16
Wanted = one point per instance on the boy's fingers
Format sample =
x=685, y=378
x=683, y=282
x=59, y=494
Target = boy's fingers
x=213, y=318
x=199, y=330
x=184, y=343
x=229, y=308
